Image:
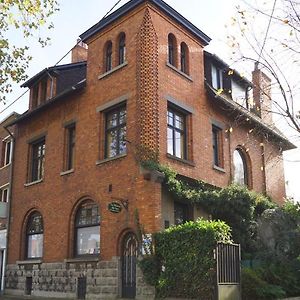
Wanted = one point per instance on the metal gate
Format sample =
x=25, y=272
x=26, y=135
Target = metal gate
x=130, y=252
x=228, y=271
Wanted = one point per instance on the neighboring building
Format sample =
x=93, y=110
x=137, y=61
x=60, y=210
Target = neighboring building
x=6, y=150
x=143, y=87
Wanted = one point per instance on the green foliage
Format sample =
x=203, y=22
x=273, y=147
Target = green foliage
x=255, y=287
x=235, y=204
x=26, y=16
x=184, y=254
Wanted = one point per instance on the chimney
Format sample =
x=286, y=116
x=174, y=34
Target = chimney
x=79, y=52
x=262, y=95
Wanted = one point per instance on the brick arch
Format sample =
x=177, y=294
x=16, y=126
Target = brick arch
x=107, y=44
x=120, y=239
x=172, y=39
x=72, y=217
x=247, y=160
x=121, y=35
x=28, y=214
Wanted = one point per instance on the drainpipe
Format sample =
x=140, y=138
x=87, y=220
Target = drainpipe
x=8, y=207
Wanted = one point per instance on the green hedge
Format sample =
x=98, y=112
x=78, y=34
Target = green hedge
x=184, y=259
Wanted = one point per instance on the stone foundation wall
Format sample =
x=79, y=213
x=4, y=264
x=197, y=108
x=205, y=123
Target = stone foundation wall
x=61, y=280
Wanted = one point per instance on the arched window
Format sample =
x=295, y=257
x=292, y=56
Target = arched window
x=184, y=58
x=122, y=48
x=171, y=49
x=108, y=56
x=34, y=236
x=87, y=229
x=240, y=168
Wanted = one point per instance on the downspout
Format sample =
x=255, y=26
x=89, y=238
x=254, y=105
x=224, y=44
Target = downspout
x=263, y=158
x=8, y=207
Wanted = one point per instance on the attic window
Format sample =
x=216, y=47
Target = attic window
x=216, y=77
x=239, y=94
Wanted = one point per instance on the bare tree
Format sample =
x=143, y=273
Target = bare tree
x=268, y=33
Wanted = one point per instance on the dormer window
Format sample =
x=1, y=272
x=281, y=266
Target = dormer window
x=239, y=94
x=216, y=77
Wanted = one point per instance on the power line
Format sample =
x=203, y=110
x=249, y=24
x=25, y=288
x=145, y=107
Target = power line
x=78, y=42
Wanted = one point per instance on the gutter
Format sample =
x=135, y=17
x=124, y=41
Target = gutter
x=253, y=118
x=8, y=219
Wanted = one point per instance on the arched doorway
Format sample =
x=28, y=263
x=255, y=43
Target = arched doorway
x=129, y=256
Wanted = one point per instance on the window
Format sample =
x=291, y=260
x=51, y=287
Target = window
x=176, y=133
x=216, y=77
x=43, y=90
x=34, y=236
x=122, y=48
x=181, y=213
x=108, y=56
x=239, y=94
x=70, y=147
x=37, y=160
x=171, y=49
x=4, y=194
x=6, y=152
x=240, y=167
x=87, y=229
x=35, y=95
x=184, y=58
x=217, y=146
x=115, y=132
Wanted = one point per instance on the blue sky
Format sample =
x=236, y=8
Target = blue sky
x=76, y=16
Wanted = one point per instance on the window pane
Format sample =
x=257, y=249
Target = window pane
x=35, y=245
x=170, y=118
x=122, y=139
x=112, y=119
x=112, y=143
x=170, y=141
x=122, y=118
x=179, y=144
x=179, y=122
x=7, y=152
x=88, y=240
x=239, y=168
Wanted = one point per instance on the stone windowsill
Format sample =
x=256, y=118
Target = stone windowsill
x=67, y=172
x=113, y=70
x=180, y=72
x=82, y=259
x=100, y=162
x=33, y=182
x=222, y=170
x=29, y=262
x=185, y=161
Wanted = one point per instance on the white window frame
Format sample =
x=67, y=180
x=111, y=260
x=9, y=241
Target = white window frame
x=6, y=141
x=2, y=189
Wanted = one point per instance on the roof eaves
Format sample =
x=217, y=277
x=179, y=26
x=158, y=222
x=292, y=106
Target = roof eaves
x=236, y=107
x=52, y=69
x=134, y=3
x=78, y=86
x=225, y=65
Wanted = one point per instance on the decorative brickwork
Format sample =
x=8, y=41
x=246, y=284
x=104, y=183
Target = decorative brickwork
x=147, y=89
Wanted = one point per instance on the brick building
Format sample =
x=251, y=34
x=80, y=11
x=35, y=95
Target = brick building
x=6, y=151
x=142, y=86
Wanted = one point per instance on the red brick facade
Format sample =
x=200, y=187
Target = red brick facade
x=146, y=83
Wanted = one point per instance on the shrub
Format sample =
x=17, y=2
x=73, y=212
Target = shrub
x=255, y=287
x=185, y=253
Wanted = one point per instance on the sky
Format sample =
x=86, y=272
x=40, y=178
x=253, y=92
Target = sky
x=76, y=16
